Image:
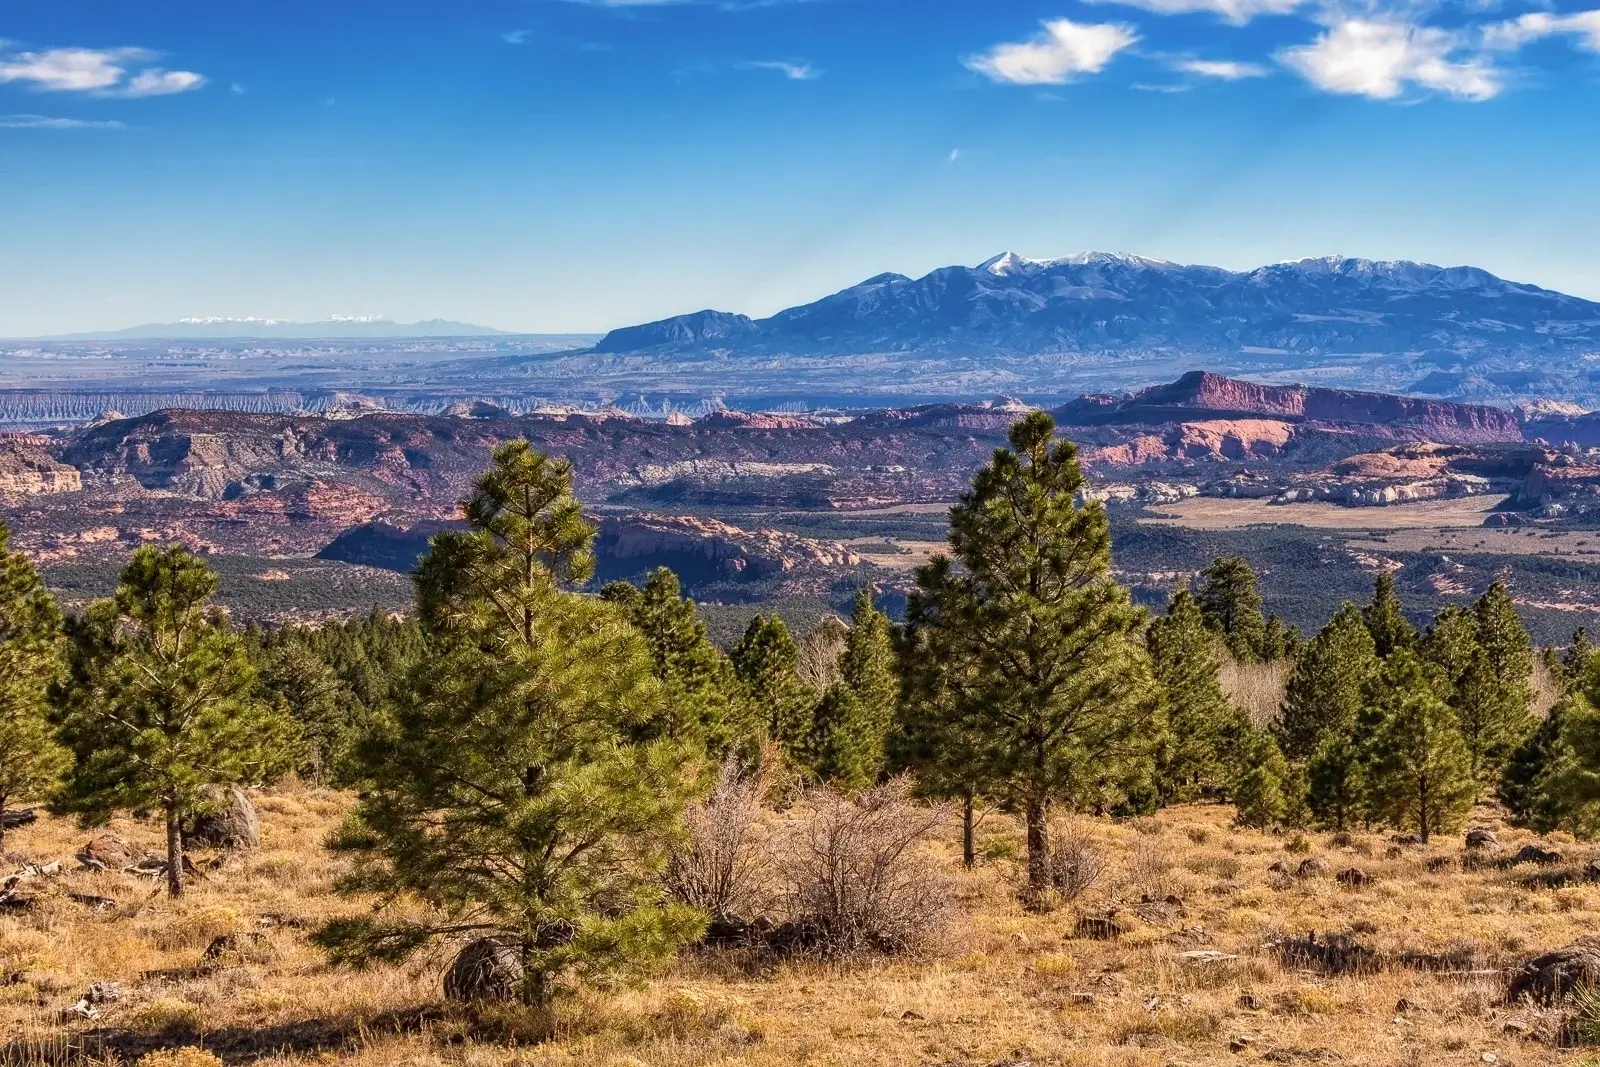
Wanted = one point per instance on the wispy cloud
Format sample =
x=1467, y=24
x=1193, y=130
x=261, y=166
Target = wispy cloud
x=515, y=37
x=1225, y=69
x=1063, y=51
x=1383, y=59
x=1537, y=25
x=47, y=122
x=955, y=154
x=794, y=70
x=102, y=71
x=1237, y=12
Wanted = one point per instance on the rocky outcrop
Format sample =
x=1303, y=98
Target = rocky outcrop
x=27, y=468
x=1397, y=417
x=698, y=545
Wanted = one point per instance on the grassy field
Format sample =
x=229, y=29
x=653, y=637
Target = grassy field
x=1003, y=986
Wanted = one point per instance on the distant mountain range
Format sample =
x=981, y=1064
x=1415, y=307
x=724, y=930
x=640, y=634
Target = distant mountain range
x=1098, y=303
x=221, y=329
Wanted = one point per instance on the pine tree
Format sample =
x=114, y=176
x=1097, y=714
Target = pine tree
x=304, y=688
x=853, y=720
x=1231, y=605
x=1192, y=752
x=508, y=790
x=1493, y=697
x=1037, y=648
x=1261, y=787
x=1529, y=773
x=1279, y=641
x=703, y=703
x=31, y=763
x=1386, y=619
x=160, y=706
x=767, y=660
x=1451, y=643
x=1421, y=774
x=1326, y=690
x=1576, y=662
x=1336, y=780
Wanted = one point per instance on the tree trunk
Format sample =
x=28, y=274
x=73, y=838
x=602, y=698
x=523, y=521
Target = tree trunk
x=969, y=853
x=1036, y=813
x=3, y=800
x=1422, y=813
x=174, y=853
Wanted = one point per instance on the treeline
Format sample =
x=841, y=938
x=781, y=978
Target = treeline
x=524, y=753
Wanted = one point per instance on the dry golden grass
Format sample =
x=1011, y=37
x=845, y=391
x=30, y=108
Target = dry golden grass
x=1008, y=984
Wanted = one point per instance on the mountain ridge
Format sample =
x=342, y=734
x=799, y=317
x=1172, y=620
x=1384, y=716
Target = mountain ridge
x=227, y=328
x=1098, y=302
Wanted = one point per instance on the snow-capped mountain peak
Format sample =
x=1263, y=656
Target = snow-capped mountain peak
x=1009, y=263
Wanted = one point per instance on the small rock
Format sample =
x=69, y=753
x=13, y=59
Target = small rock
x=1311, y=867
x=1489, y=1057
x=1402, y=1006
x=1240, y=1042
x=1203, y=956
x=1518, y=1027
x=232, y=823
x=912, y=1015
x=1535, y=855
x=81, y=1010
x=1278, y=867
x=1353, y=878
x=1096, y=928
x=107, y=851
x=1080, y=1000
x=1481, y=837
x=1251, y=1002
x=103, y=993
x=487, y=969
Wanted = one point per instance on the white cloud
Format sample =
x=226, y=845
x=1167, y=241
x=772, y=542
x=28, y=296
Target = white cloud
x=102, y=71
x=794, y=70
x=1226, y=69
x=1237, y=12
x=955, y=154
x=70, y=69
x=1537, y=25
x=1382, y=59
x=46, y=122
x=1064, y=50
x=157, y=82
x=515, y=37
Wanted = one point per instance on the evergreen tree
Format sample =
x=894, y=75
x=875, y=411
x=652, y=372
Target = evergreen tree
x=508, y=788
x=1231, y=605
x=161, y=705
x=702, y=703
x=767, y=660
x=1279, y=641
x=1576, y=662
x=853, y=720
x=304, y=688
x=1493, y=697
x=1036, y=646
x=1421, y=774
x=1386, y=619
x=1336, y=780
x=1192, y=752
x=1261, y=788
x=31, y=763
x=1527, y=780
x=1326, y=690
x=1451, y=643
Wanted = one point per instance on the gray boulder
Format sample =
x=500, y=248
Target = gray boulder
x=232, y=823
x=489, y=968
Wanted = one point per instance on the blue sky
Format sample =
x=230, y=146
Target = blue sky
x=554, y=165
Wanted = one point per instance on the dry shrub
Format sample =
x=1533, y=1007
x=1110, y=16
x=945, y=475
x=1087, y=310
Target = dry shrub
x=1076, y=863
x=858, y=877
x=721, y=867
x=1257, y=689
x=1547, y=689
x=1150, y=868
x=820, y=651
x=184, y=1056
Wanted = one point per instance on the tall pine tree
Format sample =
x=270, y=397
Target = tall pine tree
x=853, y=720
x=703, y=702
x=1202, y=728
x=767, y=662
x=161, y=706
x=1386, y=619
x=1420, y=775
x=508, y=788
x=31, y=763
x=1037, y=647
x=1231, y=605
x=1326, y=690
x=1493, y=697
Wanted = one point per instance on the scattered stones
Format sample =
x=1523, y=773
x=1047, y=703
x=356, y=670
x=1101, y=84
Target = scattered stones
x=1353, y=878
x=1551, y=977
x=233, y=824
x=1481, y=837
x=1311, y=867
x=487, y=969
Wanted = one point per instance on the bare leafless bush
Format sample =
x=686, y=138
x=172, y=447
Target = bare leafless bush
x=820, y=651
x=1547, y=689
x=1076, y=863
x=1150, y=868
x=858, y=877
x=1257, y=689
x=722, y=867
